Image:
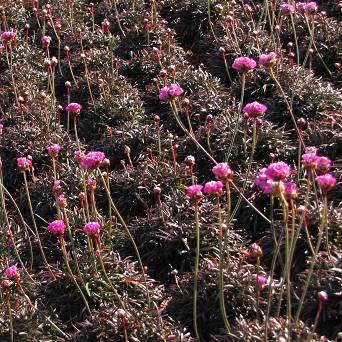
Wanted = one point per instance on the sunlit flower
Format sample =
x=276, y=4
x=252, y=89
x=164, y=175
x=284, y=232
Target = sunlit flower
x=255, y=109
x=244, y=64
x=326, y=182
x=24, y=163
x=57, y=227
x=54, y=150
x=213, y=187
x=92, y=228
x=222, y=171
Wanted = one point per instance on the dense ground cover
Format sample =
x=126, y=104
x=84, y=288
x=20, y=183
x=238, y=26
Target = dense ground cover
x=170, y=170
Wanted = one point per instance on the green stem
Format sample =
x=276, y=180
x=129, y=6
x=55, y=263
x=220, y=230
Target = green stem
x=196, y=269
x=314, y=257
x=117, y=213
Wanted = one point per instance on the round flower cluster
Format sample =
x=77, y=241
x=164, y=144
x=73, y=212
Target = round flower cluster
x=244, y=64
x=8, y=36
x=312, y=162
x=213, y=187
x=310, y=8
x=222, y=171
x=93, y=160
x=46, y=40
x=92, y=228
x=268, y=60
x=12, y=272
x=194, y=191
x=254, y=109
x=271, y=180
x=24, y=163
x=57, y=227
x=170, y=92
x=326, y=182
x=54, y=150
x=287, y=8
x=73, y=108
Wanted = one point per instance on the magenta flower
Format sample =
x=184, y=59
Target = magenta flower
x=255, y=250
x=92, y=228
x=12, y=272
x=278, y=171
x=57, y=227
x=93, y=160
x=46, y=40
x=170, y=92
x=194, y=191
x=326, y=182
x=323, y=165
x=311, y=8
x=57, y=186
x=291, y=190
x=309, y=161
x=255, y=109
x=8, y=36
x=244, y=64
x=287, y=8
x=213, y=187
x=190, y=160
x=54, y=150
x=73, y=108
x=79, y=156
x=91, y=184
x=222, y=171
x=62, y=201
x=262, y=281
x=268, y=60
x=24, y=163
x=1, y=128
x=322, y=296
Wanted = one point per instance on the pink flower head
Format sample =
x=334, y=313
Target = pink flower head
x=301, y=6
x=62, y=201
x=309, y=161
x=311, y=8
x=73, y=108
x=79, y=156
x=46, y=40
x=311, y=149
x=170, y=92
x=57, y=227
x=278, y=171
x=57, y=187
x=93, y=160
x=24, y=163
x=268, y=60
x=1, y=128
x=92, y=228
x=190, y=160
x=323, y=165
x=322, y=296
x=255, y=250
x=54, y=150
x=244, y=64
x=255, y=109
x=291, y=190
x=5, y=284
x=194, y=191
x=91, y=184
x=12, y=272
x=223, y=171
x=268, y=184
x=213, y=187
x=262, y=281
x=8, y=36
x=287, y=8
x=326, y=182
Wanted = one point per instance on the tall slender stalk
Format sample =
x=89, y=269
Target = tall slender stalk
x=196, y=267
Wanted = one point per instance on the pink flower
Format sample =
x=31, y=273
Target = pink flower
x=311, y=8
x=62, y=201
x=194, y=191
x=309, y=161
x=57, y=187
x=262, y=281
x=268, y=60
x=323, y=165
x=8, y=36
x=5, y=284
x=278, y=171
x=170, y=92
x=190, y=160
x=46, y=40
x=92, y=228
x=291, y=190
x=24, y=163
x=255, y=109
x=93, y=160
x=244, y=64
x=1, y=128
x=57, y=227
x=322, y=296
x=222, y=171
x=54, y=150
x=213, y=187
x=301, y=6
x=79, y=156
x=255, y=250
x=12, y=272
x=287, y=8
x=326, y=182
x=73, y=108
x=91, y=184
